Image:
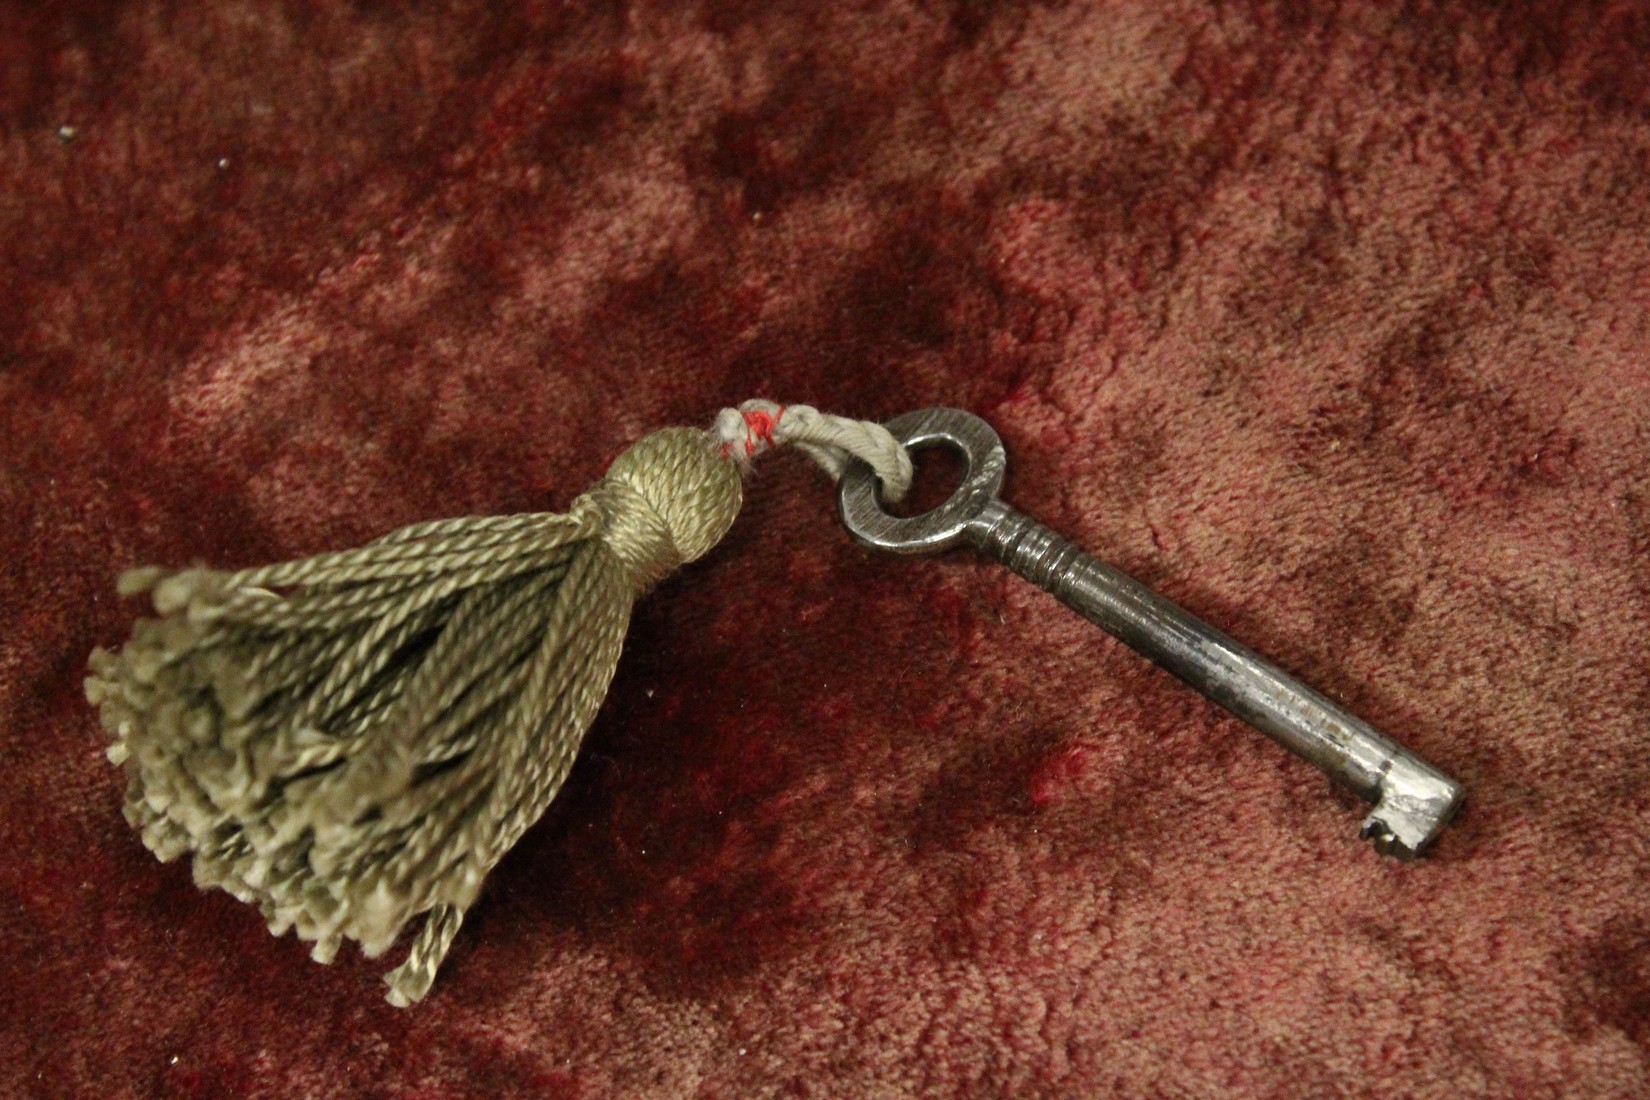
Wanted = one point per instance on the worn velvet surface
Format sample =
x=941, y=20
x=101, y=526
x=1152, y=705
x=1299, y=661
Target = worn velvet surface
x=1329, y=320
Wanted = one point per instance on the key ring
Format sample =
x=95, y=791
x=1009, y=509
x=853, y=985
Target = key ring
x=942, y=527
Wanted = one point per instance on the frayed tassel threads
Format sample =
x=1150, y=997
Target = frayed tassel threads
x=353, y=740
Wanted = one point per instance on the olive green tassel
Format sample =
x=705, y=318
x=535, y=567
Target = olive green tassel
x=355, y=739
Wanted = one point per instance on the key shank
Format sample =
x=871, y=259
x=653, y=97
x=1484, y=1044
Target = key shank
x=1414, y=800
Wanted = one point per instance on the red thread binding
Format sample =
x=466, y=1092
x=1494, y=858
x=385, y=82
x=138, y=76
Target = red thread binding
x=762, y=425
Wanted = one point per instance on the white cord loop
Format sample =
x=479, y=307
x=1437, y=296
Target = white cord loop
x=831, y=441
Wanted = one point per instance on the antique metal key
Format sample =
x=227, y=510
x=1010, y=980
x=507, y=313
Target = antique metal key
x=1413, y=800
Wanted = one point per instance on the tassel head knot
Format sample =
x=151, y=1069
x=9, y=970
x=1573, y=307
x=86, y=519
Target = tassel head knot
x=667, y=500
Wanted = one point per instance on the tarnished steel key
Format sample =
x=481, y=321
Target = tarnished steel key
x=1413, y=800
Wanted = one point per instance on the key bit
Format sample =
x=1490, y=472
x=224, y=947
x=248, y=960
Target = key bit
x=1413, y=800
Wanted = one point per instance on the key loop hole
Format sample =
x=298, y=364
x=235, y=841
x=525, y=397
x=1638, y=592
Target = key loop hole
x=941, y=527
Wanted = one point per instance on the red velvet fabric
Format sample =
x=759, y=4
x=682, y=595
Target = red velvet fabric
x=1327, y=319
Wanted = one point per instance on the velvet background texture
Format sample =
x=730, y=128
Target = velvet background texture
x=1329, y=320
